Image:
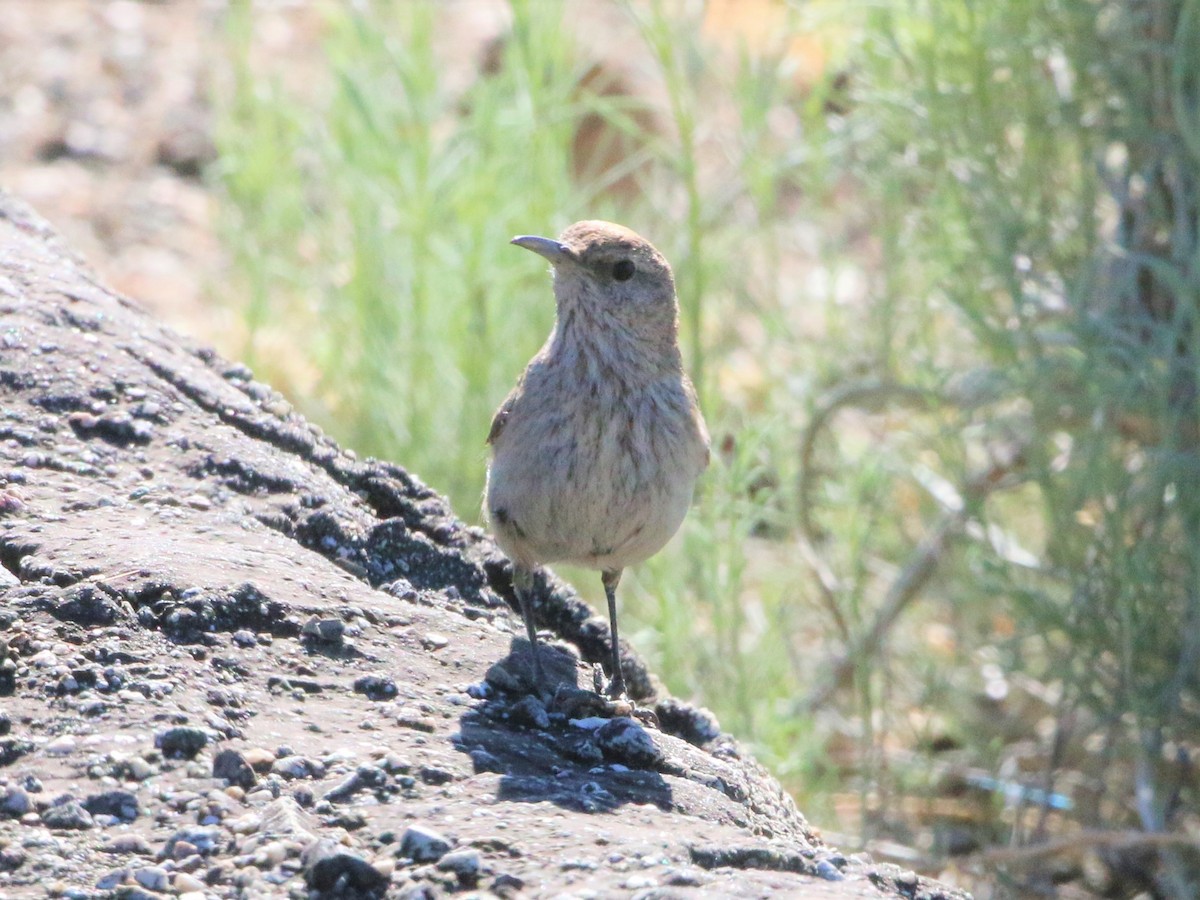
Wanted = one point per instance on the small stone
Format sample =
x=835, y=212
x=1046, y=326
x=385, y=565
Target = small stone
x=12, y=858
x=326, y=863
x=184, y=883
x=364, y=778
x=410, y=717
x=260, y=759
x=139, y=769
x=376, y=687
x=463, y=863
x=15, y=802
x=686, y=878
x=182, y=742
x=234, y=768
x=530, y=711
x=624, y=740
x=326, y=631
x=69, y=816
x=129, y=844
x=483, y=761
x=120, y=804
x=506, y=885
x=110, y=880
x=434, y=640
x=828, y=871
x=422, y=844
x=244, y=638
x=153, y=878
x=203, y=839
x=61, y=746
x=292, y=767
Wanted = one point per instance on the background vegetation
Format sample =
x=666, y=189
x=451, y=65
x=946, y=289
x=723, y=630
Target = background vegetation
x=939, y=269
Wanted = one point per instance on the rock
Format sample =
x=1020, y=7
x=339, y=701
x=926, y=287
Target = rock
x=293, y=767
x=531, y=712
x=363, y=778
x=284, y=818
x=625, y=741
x=421, y=844
x=153, y=878
x=329, y=865
x=129, y=843
x=463, y=863
x=15, y=802
x=325, y=631
x=68, y=816
x=259, y=759
x=121, y=804
x=376, y=687
x=182, y=742
x=11, y=858
x=61, y=746
x=507, y=885
x=206, y=839
x=110, y=880
x=184, y=883
x=694, y=724
x=234, y=768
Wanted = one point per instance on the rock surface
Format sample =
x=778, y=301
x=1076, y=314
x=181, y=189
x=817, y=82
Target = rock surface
x=236, y=660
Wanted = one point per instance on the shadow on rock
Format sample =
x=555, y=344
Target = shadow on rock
x=576, y=748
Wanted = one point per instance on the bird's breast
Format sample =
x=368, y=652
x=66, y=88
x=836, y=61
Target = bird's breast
x=597, y=474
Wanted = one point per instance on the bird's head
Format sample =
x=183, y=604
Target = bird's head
x=608, y=275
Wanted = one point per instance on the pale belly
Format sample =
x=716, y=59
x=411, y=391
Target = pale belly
x=608, y=498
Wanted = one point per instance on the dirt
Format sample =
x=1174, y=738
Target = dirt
x=236, y=659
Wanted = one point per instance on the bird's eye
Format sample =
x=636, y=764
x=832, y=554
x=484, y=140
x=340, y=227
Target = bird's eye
x=623, y=270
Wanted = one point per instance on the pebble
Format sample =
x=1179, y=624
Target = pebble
x=15, y=802
x=464, y=863
x=326, y=862
x=363, y=778
x=260, y=759
x=531, y=712
x=828, y=871
x=624, y=740
x=203, y=839
x=376, y=687
x=153, y=878
x=182, y=742
x=292, y=767
x=121, y=804
x=12, y=858
x=234, y=768
x=327, y=631
x=422, y=844
x=183, y=883
x=68, y=816
x=139, y=769
x=129, y=843
x=61, y=746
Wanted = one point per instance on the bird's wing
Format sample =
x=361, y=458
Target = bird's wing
x=500, y=419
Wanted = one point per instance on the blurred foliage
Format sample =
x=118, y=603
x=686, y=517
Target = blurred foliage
x=939, y=300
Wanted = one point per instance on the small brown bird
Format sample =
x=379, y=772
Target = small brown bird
x=597, y=449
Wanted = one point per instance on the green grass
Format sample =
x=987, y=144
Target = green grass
x=953, y=298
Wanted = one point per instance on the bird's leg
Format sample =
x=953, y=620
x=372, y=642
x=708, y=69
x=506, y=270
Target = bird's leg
x=523, y=586
x=611, y=579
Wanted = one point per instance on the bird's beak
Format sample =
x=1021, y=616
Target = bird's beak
x=555, y=251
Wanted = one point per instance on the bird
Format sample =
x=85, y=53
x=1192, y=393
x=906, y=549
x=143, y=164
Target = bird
x=596, y=451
